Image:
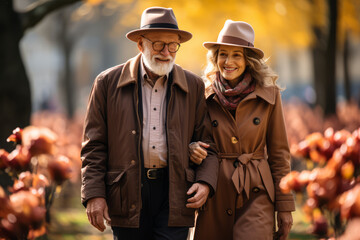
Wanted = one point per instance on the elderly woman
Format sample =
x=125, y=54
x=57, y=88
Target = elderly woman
x=245, y=108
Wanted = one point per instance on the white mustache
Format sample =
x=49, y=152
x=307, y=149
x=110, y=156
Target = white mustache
x=162, y=57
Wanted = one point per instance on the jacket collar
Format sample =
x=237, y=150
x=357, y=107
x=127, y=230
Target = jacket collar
x=129, y=74
x=266, y=93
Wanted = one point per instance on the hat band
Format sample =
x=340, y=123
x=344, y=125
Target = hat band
x=160, y=25
x=235, y=40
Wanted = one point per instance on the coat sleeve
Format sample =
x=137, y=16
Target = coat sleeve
x=94, y=145
x=279, y=155
x=207, y=171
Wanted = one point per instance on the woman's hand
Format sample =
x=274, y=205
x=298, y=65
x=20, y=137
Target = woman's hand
x=285, y=222
x=198, y=152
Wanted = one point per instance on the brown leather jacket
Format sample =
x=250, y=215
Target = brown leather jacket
x=111, y=148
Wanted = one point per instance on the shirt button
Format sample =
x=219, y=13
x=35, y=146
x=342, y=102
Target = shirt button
x=256, y=121
x=229, y=212
x=155, y=90
x=133, y=132
x=234, y=140
x=132, y=162
x=153, y=147
x=256, y=190
x=154, y=128
x=154, y=109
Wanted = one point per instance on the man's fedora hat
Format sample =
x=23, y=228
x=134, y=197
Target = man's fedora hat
x=236, y=33
x=158, y=19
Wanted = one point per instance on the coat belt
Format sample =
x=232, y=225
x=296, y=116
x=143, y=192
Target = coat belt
x=241, y=174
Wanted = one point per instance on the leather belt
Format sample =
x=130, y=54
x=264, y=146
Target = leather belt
x=155, y=173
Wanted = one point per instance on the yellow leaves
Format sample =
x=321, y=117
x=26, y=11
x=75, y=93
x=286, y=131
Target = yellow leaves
x=349, y=16
x=277, y=23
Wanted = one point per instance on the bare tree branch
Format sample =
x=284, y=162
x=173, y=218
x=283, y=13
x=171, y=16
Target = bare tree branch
x=37, y=11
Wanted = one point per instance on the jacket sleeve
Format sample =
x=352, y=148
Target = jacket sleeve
x=207, y=171
x=94, y=145
x=279, y=155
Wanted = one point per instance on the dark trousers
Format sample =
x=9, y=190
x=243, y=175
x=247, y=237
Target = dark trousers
x=154, y=215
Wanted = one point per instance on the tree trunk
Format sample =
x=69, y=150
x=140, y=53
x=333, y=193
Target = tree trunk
x=15, y=97
x=318, y=52
x=330, y=73
x=347, y=82
x=66, y=79
x=324, y=56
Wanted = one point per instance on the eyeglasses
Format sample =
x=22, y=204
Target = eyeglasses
x=158, y=46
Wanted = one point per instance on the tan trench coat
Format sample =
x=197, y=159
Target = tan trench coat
x=111, y=148
x=254, y=156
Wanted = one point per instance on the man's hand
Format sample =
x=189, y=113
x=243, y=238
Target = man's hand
x=285, y=222
x=97, y=211
x=197, y=151
x=201, y=191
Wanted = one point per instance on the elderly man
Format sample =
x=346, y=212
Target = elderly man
x=140, y=119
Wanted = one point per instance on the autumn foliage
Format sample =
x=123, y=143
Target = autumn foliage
x=333, y=186
x=37, y=169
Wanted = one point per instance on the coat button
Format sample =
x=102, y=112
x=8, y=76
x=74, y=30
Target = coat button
x=256, y=121
x=229, y=212
x=133, y=132
x=234, y=140
x=236, y=163
x=132, y=162
x=214, y=123
x=256, y=190
x=132, y=206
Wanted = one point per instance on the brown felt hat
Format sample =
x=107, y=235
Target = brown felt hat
x=158, y=19
x=236, y=33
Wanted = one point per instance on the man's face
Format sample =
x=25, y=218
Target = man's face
x=158, y=62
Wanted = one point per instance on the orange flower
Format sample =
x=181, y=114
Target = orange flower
x=60, y=169
x=19, y=158
x=16, y=137
x=27, y=207
x=38, y=140
x=28, y=180
x=4, y=159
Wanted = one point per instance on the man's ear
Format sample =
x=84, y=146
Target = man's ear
x=139, y=45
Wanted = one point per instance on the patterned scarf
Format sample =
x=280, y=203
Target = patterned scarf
x=230, y=97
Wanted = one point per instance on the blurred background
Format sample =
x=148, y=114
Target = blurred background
x=53, y=50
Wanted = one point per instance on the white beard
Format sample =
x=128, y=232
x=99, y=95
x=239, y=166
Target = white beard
x=160, y=69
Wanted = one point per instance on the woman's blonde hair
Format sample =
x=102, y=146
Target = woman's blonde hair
x=259, y=70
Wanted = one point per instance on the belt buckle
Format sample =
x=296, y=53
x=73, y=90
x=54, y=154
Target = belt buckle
x=148, y=173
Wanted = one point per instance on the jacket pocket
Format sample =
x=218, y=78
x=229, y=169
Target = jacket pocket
x=115, y=189
x=266, y=177
x=190, y=179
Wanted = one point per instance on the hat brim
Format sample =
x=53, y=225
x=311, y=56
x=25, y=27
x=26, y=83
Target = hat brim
x=136, y=34
x=209, y=45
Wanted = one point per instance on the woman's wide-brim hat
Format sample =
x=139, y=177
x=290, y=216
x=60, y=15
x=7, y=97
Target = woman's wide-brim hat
x=158, y=19
x=236, y=33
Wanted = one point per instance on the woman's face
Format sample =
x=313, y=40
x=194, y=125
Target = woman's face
x=231, y=62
